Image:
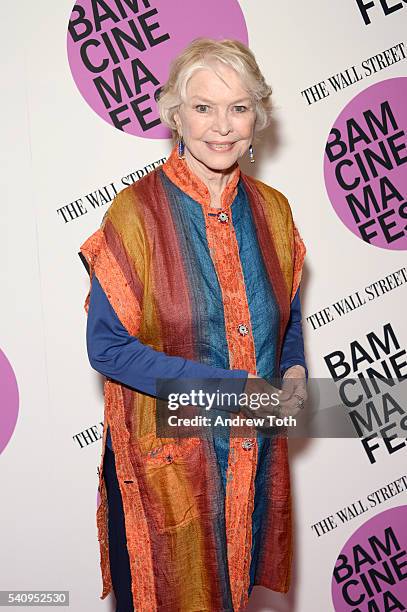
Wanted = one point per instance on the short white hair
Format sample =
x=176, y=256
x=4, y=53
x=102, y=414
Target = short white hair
x=204, y=53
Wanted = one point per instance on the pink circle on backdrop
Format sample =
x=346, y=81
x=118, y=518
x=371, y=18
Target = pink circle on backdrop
x=384, y=224
x=395, y=520
x=9, y=401
x=94, y=39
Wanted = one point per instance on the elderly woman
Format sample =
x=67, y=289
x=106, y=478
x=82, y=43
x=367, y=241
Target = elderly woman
x=195, y=273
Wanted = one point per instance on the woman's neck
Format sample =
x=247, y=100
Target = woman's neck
x=215, y=180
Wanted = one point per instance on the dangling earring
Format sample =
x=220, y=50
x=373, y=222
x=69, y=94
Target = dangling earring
x=251, y=154
x=181, y=148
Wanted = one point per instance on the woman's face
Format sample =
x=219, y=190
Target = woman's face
x=217, y=119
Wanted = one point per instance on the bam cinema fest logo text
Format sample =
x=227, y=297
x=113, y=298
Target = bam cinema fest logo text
x=365, y=165
x=120, y=51
x=372, y=383
x=370, y=573
x=374, y=8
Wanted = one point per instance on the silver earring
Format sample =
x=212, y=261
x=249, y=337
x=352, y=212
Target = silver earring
x=251, y=154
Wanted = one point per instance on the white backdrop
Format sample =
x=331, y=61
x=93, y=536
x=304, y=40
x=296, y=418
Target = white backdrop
x=55, y=150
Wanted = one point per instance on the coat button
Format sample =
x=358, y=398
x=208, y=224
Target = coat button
x=223, y=217
x=243, y=329
x=169, y=458
x=247, y=444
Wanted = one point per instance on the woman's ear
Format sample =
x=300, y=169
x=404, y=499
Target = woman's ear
x=177, y=122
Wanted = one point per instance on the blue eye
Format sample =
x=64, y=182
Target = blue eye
x=240, y=108
x=201, y=108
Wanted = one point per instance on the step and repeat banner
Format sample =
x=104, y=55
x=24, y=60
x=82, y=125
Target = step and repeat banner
x=80, y=123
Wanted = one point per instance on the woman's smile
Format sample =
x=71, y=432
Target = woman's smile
x=221, y=147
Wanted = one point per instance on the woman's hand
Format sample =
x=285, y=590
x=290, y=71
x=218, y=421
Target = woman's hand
x=291, y=397
x=256, y=388
x=295, y=385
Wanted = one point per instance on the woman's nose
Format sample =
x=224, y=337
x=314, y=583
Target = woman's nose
x=222, y=123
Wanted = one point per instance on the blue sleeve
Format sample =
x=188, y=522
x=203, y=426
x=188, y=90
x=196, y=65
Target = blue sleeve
x=293, y=344
x=116, y=354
